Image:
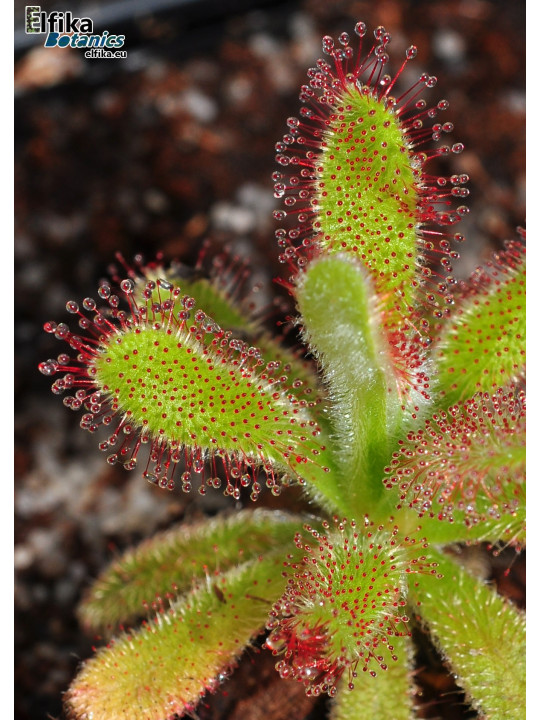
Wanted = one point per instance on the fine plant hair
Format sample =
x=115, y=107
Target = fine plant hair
x=402, y=420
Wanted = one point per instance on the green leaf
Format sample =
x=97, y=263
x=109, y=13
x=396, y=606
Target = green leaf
x=167, y=375
x=218, y=295
x=482, y=346
x=179, y=559
x=168, y=665
x=481, y=635
x=353, y=181
x=344, y=603
x=506, y=528
x=191, y=393
x=389, y=695
x=367, y=196
x=466, y=464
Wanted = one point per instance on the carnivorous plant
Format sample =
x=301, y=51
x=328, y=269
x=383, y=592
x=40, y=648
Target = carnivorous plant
x=407, y=438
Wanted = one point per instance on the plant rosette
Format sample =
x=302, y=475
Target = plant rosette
x=409, y=438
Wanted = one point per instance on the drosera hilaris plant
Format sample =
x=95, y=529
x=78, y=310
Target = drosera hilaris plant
x=410, y=439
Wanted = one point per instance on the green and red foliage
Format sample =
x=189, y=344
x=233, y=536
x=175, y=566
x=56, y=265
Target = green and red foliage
x=410, y=438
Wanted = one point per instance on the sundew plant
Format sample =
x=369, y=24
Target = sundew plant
x=402, y=420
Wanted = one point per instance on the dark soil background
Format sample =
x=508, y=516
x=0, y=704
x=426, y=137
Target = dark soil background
x=158, y=152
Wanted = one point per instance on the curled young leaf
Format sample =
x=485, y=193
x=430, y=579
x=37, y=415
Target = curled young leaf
x=375, y=383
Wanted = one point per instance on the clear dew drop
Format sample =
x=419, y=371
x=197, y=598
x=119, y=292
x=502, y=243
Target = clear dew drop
x=49, y=367
x=127, y=286
x=411, y=52
x=50, y=327
x=61, y=332
x=198, y=465
x=360, y=29
x=327, y=44
x=104, y=291
x=89, y=304
x=151, y=477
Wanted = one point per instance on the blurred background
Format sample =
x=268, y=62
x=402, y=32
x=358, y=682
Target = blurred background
x=158, y=152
